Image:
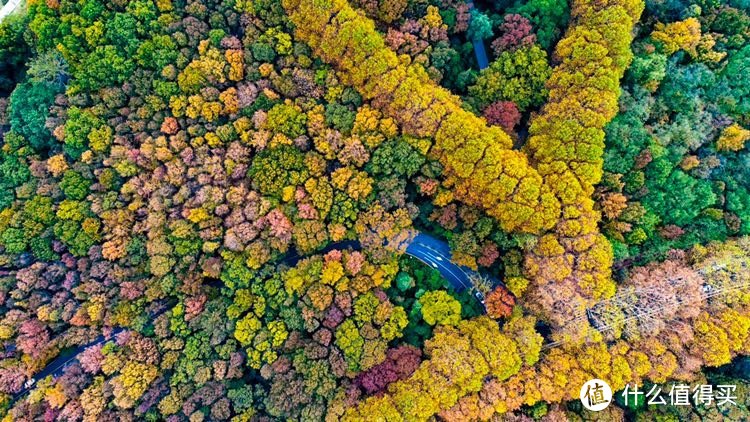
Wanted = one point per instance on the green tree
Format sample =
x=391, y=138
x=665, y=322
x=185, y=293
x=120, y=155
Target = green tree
x=287, y=119
x=121, y=32
x=733, y=94
x=29, y=109
x=340, y=117
x=276, y=168
x=74, y=185
x=440, y=308
x=105, y=66
x=680, y=198
x=549, y=17
x=49, y=67
x=14, y=51
x=78, y=128
x=157, y=52
x=517, y=76
x=396, y=158
x=14, y=240
x=14, y=170
x=480, y=27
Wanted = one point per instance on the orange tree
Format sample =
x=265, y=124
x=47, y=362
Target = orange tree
x=546, y=189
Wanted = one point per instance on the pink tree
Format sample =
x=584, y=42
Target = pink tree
x=33, y=338
x=11, y=380
x=515, y=32
x=400, y=363
x=91, y=359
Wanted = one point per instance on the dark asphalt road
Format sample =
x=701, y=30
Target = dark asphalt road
x=429, y=250
x=436, y=254
x=481, y=54
x=58, y=365
x=479, y=51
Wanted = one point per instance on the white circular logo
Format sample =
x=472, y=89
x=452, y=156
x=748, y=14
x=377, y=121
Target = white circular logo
x=596, y=395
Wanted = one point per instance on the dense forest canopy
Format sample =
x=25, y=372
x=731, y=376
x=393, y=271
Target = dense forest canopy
x=323, y=210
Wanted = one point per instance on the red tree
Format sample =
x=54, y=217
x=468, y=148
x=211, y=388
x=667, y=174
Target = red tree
x=504, y=114
x=499, y=302
x=400, y=363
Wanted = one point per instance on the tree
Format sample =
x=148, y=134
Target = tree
x=400, y=363
x=74, y=185
x=480, y=27
x=286, y=119
x=14, y=50
x=469, y=154
x=81, y=127
x=504, y=114
x=105, y=66
x=548, y=16
x=515, y=32
x=33, y=338
x=499, y=303
x=440, y=308
x=390, y=11
x=733, y=138
x=396, y=157
x=276, y=168
x=459, y=358
x=49, y=67
x=682, y=35
x=28, y=112
x=518, y=76
x=12, y=380
x=732, y=96
x=694, y=195
x=132, y=382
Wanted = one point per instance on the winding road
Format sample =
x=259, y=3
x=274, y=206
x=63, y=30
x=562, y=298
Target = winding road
x=437, y=254
x=429, y=250
x=58, y=365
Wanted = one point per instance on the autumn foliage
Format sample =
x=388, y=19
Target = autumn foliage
x=480, y=167
x=708, y=332
x=499, y=303
x=322, y=210
x=566, y=152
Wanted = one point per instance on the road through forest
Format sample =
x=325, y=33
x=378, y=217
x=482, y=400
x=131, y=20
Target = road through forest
x=431, y=251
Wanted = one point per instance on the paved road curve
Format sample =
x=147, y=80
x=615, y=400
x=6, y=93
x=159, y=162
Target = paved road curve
x=431, y=251
x=437, y=254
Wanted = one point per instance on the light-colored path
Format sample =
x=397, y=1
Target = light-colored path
x=9, y=8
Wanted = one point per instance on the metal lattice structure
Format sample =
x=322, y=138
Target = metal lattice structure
x=648, y=309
